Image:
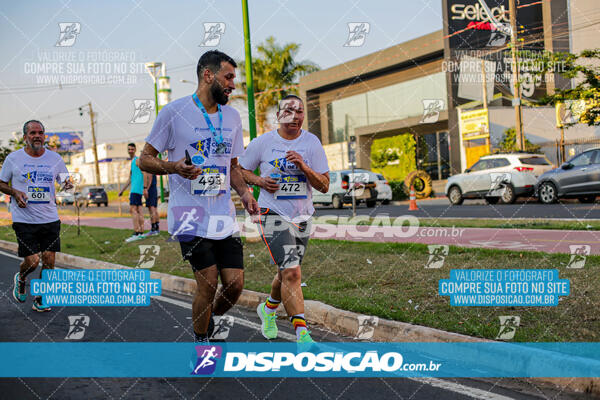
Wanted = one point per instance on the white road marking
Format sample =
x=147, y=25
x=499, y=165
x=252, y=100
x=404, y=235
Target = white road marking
x=239, y=321
x=439, y=383
x=462, y=389
x=11, y=255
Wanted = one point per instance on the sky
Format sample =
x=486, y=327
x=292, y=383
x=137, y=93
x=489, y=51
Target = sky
x=103, y=64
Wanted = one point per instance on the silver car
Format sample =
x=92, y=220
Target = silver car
x=492, y=178
x=577, y=178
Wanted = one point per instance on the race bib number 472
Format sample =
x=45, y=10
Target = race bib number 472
x=38, y=194
x=211, y=182
x=291, y=187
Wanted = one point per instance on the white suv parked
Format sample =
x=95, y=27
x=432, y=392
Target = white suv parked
x=498, y=177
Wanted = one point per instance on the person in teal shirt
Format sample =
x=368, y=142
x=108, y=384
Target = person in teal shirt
x=136, y=180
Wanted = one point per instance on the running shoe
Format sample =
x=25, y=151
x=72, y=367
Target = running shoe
x=269, y=322
x=133, y=238
x=19, y=292
x=151, y=233
x=39, y=306
x=305, y=338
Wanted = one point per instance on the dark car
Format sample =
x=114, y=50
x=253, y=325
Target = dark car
x=577, y=178
x=94, y=195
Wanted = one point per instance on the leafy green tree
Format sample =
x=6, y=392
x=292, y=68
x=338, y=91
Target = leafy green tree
x=12, y=146
x=509, y=142
x=276, y=73
x=584, y=68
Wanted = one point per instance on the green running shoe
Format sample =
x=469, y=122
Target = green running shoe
x=269, y=322
x=305, y=338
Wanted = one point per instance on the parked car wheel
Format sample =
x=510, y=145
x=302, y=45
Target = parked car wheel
x=492, y=200
x=371, y=203
x=508, y=195
x=547, y=193
x=455, y=196
x=586, y=199
x=336, y=201
x=106, y=204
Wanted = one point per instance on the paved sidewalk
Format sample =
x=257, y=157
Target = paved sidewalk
x=549, y=241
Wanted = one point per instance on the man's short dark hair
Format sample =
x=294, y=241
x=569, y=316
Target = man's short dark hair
x=212, y=60
x=131, y=144
x=31, y=121
x=286, y=97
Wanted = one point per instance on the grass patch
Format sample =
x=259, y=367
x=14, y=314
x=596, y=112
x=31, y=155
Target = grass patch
x=394, y=285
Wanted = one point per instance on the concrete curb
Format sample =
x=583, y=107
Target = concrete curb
x=339, y=321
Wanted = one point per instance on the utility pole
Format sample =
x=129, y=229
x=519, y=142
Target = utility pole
x=351, y=181
x=484, y=101
x=515, y=72
x=94, y=148
x=249, y=80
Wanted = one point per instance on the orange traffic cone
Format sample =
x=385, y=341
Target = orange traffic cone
x=412, y=206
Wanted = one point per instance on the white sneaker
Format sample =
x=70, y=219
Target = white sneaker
x=133, y=238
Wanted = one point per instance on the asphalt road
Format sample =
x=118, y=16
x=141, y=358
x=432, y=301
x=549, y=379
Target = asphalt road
x=441, y=208
x=168, y=319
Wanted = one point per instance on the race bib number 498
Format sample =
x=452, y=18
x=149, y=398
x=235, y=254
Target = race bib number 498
x=291, y=187
x=211, y=182
x=38, y=194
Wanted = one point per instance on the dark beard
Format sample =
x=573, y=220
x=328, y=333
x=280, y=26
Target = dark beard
x=218, y=93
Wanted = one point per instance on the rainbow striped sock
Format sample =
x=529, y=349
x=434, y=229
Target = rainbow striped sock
x=299, y=324
x=271, y=305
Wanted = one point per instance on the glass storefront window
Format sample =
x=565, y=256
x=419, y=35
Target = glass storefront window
x=394, y=102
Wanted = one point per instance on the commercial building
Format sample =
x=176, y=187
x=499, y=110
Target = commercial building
x=422, y=85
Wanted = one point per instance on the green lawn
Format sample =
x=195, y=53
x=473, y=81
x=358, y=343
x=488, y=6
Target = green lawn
x=387, y=280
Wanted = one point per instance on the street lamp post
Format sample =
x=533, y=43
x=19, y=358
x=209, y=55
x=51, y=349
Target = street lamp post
x=154, y=69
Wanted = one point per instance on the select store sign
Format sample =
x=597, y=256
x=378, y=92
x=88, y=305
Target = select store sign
x=476, y=30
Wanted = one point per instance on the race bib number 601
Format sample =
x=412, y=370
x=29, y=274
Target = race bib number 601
x=38, y=194
x=211, y=182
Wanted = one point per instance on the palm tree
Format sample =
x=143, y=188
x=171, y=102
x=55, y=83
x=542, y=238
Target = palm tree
x=275, y=75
